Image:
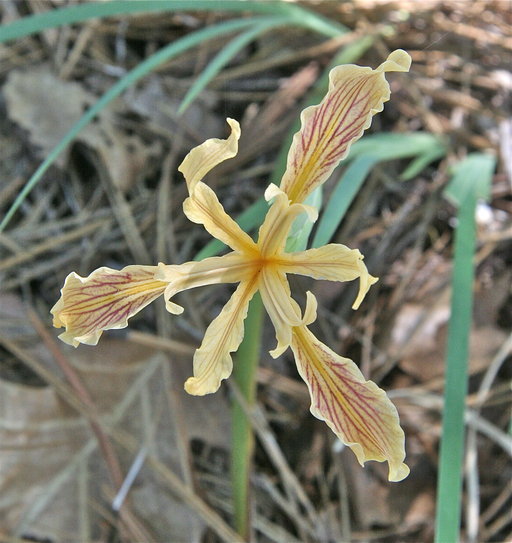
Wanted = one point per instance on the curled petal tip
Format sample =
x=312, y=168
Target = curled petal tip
x=311, y=212
x=365, y=282
x=398, y=61
x=72, y=339
x=398, y=473
x=279, y=350
x=311, y=309
x=272, y=191
x=397, y=470
x=173, y=308
x=235, y=125
x=195, y=387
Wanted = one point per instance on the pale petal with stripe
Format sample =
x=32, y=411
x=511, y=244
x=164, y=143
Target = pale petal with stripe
x=230, y=268
x=203, y=207
x=212, y=361
x=104, y=300
x=358, y=411
x=334, y=262
x=283, y=310
x=355, y=94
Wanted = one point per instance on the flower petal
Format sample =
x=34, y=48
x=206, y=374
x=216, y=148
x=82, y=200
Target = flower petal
x=209, y=154
x=203, y=207
x=212, y=361
x=104, y=300
x=278, y=221
x=355, y=94
x=283, y=310
x=357, y=411
x=334, y=262
x=230, y=268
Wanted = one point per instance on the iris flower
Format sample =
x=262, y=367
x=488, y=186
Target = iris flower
x=359, y=412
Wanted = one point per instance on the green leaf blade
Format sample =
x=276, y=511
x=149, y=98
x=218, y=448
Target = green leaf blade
x=470, y=182
x=346, y=190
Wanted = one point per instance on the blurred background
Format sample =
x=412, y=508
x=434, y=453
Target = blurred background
x=75, y=422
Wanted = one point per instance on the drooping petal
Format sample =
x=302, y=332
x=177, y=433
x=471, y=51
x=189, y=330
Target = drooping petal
x=283, y=310
x=230, y=268
x=355, y=94
x=278, y=221
x=209, y=154
x=357, y=411
x=334, y=262
x=212, y=361
x=104, y=300
x=204, y=208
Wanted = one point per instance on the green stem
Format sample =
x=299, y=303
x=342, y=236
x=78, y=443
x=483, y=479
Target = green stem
x=471, y=181
x=244, y=374
x=457, y=353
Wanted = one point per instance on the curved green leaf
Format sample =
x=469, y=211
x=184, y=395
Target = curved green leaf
x=225, y=55
x=161, y=56
x=82, y=12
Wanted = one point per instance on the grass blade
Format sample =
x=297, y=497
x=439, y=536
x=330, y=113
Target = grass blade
x=244, y=374
x=471, y=181
x=225, y=55
x=346, y=190
x=82, y=12
x=421, y=162
x=391, y=146
x=165, y=54
x=301, y=228
x=292, y=14
x=365, y=154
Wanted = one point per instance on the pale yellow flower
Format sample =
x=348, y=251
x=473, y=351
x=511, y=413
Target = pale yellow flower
x=358, y=412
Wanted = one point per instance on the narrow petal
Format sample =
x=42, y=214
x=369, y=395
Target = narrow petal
x=278, y=221
x=209, y=154
x=104, y=300
x=334, y=262
x=357, y=411
x=283, y=310
x=355, y=94
x=204, y=208
x=212, y=361
x=230, y=268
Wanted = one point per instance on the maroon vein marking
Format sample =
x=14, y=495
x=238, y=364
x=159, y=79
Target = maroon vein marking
x=81, y=306
x=354, y=429
x=318, y=117
x=343, y=104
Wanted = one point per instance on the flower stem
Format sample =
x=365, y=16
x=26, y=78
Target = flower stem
x=244, y=374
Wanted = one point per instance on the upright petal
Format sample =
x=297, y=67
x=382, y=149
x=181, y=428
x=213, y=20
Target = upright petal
x=230, y=268
x=212, y=361
x=104, y=300
x=355, y=94
x=209, y=154
x=203, y=207
x=283, y=310
x=278, y=221
x=357, y=411
x=334, y=262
